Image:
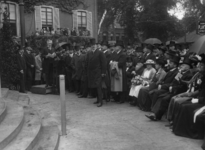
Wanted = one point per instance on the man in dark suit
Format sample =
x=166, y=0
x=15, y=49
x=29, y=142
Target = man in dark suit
x=48, y=55
x=162, y=87
x=96, y=71
x=30, y=67
x=68, y=68
x=172, y=89
x=77, y=70
x=106, y=79
x=84, y=84
x=22, y=70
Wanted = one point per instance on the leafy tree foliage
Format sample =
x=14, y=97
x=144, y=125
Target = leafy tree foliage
x=8, y=56
x=150, y=18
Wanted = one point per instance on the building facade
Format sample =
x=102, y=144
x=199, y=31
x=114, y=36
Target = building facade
x=52, y=16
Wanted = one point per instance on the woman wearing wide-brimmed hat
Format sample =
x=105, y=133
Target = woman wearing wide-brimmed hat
x=146, y=77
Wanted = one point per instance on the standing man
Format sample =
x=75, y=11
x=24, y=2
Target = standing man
x=30, y=67
x=22, y=70
x=48, y=55
x=96, y=71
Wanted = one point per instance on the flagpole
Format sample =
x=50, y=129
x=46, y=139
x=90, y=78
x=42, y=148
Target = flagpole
x=101, y=21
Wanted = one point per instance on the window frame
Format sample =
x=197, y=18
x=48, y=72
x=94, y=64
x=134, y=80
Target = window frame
x=80, y=24
x=15, y=21
x=83, y=15
x=46, y=25
x=46, y=19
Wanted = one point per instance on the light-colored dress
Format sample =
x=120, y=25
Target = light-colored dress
x=147, y=74
x=38, y=68
x=116, y=80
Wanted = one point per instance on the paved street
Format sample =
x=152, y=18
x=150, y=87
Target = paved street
x=112, y=127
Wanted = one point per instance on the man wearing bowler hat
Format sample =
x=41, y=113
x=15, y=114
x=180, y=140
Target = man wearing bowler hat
x=96, y=71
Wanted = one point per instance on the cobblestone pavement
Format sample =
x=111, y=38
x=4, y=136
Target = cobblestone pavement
x=111, y=127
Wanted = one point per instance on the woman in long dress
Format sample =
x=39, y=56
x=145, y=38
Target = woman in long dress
x=143, y=81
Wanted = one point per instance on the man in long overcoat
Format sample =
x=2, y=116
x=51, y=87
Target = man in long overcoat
x=30, y=67
x=96, y=71
x=48, y=55
x=22, y=70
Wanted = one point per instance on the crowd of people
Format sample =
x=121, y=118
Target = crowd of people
x=165, y=80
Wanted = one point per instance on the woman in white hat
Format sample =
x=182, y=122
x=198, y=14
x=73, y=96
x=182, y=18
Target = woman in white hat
x=144, y=80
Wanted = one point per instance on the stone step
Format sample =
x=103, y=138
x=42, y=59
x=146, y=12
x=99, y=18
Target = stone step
x=4, y=92
x=12, y=123
x=49, y=139
x=12, y=95
x=40, y=89
x=3, y=109
x=30, y=133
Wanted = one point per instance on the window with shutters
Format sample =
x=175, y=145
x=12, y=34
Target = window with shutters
x=47, y=18
x=82, y=21
x=12, y=9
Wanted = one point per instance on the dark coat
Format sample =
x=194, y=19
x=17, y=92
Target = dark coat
x=47, y=61
x=96, y=63
x=137, y=60
x=180, y=87
x=121, y=59
x=129, y=75
x=84, y=67
x=169, y=79
x=108, y=56
x=21, y=62
x=75, y=65
x=30, y=60
x=68, y=65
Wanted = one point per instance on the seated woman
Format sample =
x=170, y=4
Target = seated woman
x=143, y=80
x=183, y=124
x=144, y=100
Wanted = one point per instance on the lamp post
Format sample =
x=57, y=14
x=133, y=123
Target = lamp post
x=22, y=23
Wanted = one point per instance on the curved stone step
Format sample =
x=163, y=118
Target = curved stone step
x=30, y=133
x=2, y=111
x=49, y=139
x=12, y=123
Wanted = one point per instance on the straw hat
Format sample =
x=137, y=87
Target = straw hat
x=149, y=62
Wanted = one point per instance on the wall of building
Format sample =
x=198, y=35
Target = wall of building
x=66, y=20
x=29, y=23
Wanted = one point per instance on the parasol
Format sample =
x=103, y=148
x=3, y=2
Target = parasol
x=152, y=41
x=198, y=46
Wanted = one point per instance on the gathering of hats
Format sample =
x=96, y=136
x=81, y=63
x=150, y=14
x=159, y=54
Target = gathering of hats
x=165, y=81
